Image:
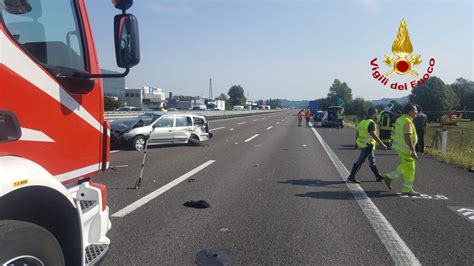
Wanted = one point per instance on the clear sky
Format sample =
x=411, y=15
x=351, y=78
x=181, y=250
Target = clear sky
x=285, y=49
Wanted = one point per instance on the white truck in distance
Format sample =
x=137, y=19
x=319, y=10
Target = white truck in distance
x=217, y=105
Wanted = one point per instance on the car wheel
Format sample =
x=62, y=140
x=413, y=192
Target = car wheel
x=138, y=143
x=23, y=243
x=194, y=140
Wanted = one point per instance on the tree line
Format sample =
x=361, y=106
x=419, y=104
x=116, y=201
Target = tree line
x=435, y=96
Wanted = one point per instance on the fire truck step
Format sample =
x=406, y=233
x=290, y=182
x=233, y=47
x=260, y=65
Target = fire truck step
x=86, y=205
x=94, y=253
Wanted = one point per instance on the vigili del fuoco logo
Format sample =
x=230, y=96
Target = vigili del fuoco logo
x=401, y=62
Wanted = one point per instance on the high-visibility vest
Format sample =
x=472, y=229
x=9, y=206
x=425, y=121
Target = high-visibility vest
x=385, y=121
x=364, y=136
x=398, y=135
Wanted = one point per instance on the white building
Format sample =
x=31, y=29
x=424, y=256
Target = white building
x=147, y=98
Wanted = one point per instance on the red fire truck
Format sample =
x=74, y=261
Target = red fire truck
x=53, y=136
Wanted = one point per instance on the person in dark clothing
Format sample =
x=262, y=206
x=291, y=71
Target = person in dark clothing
x=386, y=119
x=366, y=138
x=420, y=122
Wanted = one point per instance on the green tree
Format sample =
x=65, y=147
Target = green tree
x=358, y=107
x=339, y=90
x=236, y=96
x=434, y=95
x=464, y=90
x=222, y=97
x=111, y=104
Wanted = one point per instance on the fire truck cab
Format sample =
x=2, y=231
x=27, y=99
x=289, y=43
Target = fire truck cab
x=53, y=136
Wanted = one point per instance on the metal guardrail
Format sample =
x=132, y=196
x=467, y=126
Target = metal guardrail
x=117, y=115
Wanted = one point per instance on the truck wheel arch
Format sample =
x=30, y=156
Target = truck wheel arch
x=40, y=205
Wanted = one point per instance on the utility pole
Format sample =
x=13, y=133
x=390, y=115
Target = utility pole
x=210, y=89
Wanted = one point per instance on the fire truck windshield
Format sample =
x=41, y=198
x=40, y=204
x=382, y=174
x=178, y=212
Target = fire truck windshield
x=48, y=30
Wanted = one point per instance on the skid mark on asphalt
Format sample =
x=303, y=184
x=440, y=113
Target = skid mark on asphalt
x=396, y=247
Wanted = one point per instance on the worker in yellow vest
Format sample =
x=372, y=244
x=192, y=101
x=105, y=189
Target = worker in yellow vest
x=404, y=139
x=366, y=138
x=340, y=119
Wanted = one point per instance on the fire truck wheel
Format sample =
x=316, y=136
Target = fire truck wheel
x=138, y=143
x=23, y=243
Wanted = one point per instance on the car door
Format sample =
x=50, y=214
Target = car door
x=183, y=128
x=163, y=130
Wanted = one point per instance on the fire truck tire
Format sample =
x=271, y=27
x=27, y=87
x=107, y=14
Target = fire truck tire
x=23, y=243
x=138, y=143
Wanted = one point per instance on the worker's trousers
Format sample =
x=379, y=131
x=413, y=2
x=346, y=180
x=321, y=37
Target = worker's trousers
x=406, y=169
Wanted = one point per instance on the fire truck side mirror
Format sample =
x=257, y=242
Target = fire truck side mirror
x=127, y=43
x=122, y=4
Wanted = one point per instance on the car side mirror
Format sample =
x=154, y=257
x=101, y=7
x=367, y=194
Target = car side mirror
x=127, y=43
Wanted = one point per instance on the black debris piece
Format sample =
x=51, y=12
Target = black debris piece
x=200, y=204
x=214, y=257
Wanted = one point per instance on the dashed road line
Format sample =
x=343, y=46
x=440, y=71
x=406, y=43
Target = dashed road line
x=114, y=151
x=277, y=123
x=241, y=123
x=270, y=127
x=396, y=247
x=251, y=138
x=232, y=129
x=137, y=204
x=217, y=128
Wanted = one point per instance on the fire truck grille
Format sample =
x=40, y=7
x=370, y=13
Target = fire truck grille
x=93, y=252
x=87, y=204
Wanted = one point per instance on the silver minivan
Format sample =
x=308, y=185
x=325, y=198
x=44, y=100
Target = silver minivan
x=160, y=128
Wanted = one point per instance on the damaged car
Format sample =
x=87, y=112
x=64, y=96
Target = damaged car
x=159, y=128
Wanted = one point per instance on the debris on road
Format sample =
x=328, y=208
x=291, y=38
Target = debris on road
x=214, y=257
x=200, y=204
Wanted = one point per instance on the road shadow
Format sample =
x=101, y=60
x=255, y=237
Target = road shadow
x=344, y=195
x=312, y=182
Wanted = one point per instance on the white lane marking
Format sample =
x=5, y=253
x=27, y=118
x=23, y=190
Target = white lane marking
x=270, y=127
x=232, y=129
x=34, y=135
x=251, y=138
x=277, y=123
x=255, y=120
x=217, y=128
x=304, y=145
x=114, y=151
x=424, y=196
x=137, y=204
x=241, y=123
x=396, y=247
x=236, y=143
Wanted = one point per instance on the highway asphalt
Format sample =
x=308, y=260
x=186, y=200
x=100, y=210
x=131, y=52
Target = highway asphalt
x=277, y=197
